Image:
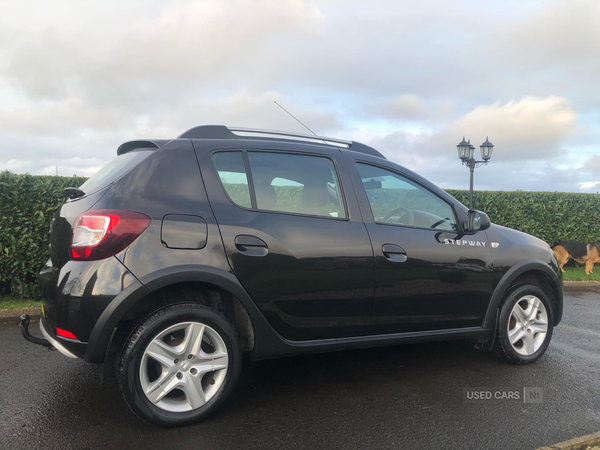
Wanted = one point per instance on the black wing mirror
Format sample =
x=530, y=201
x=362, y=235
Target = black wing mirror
x=477, y=221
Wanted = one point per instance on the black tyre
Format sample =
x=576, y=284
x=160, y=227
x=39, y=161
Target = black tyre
x=525, y=325
x=179, y=365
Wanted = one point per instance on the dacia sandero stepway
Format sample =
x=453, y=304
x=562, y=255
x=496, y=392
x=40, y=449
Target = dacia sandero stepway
x=184, y=255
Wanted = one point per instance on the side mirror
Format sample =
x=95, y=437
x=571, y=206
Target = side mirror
x=477, y=221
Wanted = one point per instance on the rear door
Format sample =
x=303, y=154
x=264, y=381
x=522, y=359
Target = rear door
x=428, y=274
x=294, y=237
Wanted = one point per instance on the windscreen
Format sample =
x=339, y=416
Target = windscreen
x=114, y=170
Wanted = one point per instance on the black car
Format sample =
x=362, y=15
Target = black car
x=185, y=255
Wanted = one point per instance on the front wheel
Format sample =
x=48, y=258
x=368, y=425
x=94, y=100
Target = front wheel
x=179, y=365
x=525, y=325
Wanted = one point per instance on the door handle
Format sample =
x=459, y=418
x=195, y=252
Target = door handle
x=394, y=253
x=251, y=245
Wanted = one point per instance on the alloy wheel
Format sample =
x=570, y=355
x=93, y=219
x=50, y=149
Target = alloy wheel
x=527, y=325
x=183, y=367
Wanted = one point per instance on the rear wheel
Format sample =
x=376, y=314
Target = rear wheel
x=179, y=365
x=525, y=325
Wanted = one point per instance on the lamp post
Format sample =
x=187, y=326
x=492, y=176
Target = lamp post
x=465, y=153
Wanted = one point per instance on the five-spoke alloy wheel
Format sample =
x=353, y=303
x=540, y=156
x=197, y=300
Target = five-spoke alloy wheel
x=525, y=325
x=179, y=364
x=183, y=367
x=528, y=325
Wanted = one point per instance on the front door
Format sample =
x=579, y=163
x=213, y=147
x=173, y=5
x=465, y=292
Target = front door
x=428, y=274
x=294, y=238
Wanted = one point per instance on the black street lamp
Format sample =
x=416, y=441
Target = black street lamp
x=466, y=152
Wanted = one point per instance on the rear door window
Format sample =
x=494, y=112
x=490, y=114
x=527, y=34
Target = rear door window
x=300, y=184
x=114, y=170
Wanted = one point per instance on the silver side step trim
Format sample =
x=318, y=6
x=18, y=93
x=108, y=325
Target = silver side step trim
x=57, y=345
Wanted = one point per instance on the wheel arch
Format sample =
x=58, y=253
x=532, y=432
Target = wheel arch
x=528, y=271
x=146, y=295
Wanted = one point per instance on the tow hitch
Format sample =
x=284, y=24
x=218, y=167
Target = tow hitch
x=24, y=324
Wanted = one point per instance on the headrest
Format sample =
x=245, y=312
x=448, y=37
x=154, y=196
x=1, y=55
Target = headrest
x=314, y=195
x=265, y=195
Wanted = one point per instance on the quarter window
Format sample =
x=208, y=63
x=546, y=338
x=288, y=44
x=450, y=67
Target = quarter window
x=395, y=199
x=232, y=172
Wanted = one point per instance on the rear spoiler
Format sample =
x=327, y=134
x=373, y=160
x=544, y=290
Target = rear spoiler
x=134, y=145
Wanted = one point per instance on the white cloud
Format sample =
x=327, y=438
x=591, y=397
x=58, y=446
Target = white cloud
x=526, y=129
x=592, y=164
x=77, y=80
x=530, y=128
x=165, y=55
x=588, y=185
x=406, y=106
x=565, y=33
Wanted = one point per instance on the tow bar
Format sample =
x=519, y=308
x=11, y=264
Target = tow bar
x=24, y=320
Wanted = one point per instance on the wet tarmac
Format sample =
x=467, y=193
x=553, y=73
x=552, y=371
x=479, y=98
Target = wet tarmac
x=412, y=396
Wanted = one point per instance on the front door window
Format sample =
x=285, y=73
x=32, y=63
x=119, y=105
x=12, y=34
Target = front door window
x=396, y=200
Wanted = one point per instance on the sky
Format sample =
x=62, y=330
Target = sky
x=77, y=79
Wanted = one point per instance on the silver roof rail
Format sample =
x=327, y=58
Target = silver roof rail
x=223, y=132
x=302, y=136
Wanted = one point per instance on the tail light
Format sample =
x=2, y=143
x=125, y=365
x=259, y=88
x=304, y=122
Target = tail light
x=98, y=234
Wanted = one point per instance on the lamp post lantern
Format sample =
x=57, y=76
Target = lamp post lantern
x=466, y=154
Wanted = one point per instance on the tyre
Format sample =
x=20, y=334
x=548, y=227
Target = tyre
x=525, y=325
x=179, y=365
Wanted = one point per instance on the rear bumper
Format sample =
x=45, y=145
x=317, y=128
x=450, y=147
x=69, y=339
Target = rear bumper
x=48, y=341
x=75, y=298
x=57, y=345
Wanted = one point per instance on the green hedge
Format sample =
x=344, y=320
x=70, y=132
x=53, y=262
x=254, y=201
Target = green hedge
x=27, y=205
x=551, y=216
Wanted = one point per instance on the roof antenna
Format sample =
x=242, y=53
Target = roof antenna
x=297, y=120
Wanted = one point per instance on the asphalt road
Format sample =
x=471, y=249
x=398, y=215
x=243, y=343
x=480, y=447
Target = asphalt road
x=411, y=396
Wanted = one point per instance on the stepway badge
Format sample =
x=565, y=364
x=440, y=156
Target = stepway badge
x=465, y=242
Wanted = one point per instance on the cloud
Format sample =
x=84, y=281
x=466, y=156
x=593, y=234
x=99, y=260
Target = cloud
x=592, y=164
x=566, y=33
x=81, y=138
x=78, y=80
x=588, y=185
x=530, y=128
x=406, y=106
x=169, y=54
x=531, y=131
x=68, y=116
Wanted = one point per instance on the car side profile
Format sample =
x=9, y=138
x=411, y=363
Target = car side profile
x=183, y=256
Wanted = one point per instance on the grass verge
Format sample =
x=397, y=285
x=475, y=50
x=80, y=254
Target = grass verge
x=577, y=273
x=8, y=302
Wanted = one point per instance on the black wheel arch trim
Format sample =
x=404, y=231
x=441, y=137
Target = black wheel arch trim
x=527, y=265
x=103, y=330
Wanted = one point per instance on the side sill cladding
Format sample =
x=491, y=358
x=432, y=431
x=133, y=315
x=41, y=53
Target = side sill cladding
x=527, y=265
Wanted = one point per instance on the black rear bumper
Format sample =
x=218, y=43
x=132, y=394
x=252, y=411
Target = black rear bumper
x=47, y=341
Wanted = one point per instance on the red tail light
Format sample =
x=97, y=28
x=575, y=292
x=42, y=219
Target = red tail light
x=98, y=234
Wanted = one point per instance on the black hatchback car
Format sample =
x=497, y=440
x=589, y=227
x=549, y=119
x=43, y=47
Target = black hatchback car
x=184, y=255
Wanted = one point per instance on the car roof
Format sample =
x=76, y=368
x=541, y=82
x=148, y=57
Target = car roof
x=223, y=132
